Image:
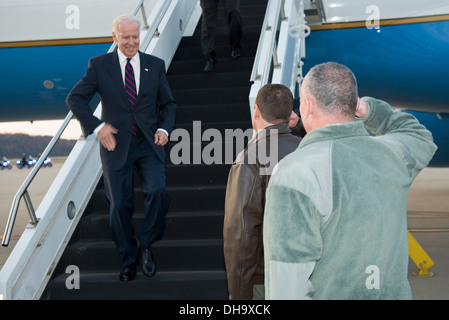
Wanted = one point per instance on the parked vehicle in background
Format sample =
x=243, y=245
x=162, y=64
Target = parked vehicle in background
x=5, y=164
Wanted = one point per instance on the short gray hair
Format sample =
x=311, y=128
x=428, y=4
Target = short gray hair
x=124, y=18
x=334, y=87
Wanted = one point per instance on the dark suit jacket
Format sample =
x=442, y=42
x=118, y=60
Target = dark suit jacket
x=155, y=107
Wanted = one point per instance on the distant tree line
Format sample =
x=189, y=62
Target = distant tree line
x=14, y=145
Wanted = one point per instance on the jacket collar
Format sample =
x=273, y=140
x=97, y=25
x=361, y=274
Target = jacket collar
x=334, y=132
x=281, y=128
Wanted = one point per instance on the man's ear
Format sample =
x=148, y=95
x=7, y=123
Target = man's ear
x=306, y=107
x=256, y=112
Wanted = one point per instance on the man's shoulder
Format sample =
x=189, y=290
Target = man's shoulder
x=306, y=159
x=150, y=58
x=102, y=57
x=289, y=138
x=284, y=142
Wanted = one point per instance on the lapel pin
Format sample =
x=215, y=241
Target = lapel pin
x=146, y=69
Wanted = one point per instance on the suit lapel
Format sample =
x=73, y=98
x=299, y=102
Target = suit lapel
x=144, y=75
x=116, y=75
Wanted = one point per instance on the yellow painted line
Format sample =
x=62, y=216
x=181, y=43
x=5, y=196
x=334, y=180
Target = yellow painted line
x=57, y=42
x=426, y=213
x=12, y=237
x=419, y=257
x=385, y=22
x=429, y=230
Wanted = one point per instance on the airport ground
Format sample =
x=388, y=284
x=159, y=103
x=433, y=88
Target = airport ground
x=427, y=212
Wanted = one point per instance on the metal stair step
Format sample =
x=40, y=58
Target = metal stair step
x=185, y=285
x=170, y=255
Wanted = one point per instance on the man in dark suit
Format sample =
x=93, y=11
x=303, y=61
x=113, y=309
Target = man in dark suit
x=138, y=113
x=209, y=20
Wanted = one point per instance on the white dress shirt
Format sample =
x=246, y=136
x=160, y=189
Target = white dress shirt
x=135, y=62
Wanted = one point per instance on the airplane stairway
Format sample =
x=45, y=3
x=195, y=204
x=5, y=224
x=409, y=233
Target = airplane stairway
x=190, y=256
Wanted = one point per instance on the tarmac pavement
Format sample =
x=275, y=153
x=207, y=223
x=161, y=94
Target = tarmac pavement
x=428, y=222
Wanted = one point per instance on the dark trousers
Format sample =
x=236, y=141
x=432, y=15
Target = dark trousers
x=119, y=188
x=209, y=25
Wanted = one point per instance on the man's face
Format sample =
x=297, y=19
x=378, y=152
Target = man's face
x=127, y=38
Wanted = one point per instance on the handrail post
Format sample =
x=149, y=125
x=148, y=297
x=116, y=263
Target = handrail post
x=154, y=29
x=275, y=56
x=29, y=204
x=10, y=223
x=283, y=17
x=144, y=16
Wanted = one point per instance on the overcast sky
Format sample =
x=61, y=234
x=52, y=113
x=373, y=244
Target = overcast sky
x=42, y=128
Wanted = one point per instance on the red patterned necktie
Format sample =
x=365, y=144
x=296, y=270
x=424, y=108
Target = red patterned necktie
x=131, y=90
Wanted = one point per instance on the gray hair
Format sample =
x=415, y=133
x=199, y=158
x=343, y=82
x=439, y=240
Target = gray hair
x=124, y=18
x=334, y=87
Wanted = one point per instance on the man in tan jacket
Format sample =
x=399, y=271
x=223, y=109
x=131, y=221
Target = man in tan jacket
x=245, y=193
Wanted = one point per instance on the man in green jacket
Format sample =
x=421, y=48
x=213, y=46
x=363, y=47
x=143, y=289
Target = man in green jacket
x=335, y=224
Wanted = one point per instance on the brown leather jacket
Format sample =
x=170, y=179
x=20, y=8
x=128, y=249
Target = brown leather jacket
x=244, y=209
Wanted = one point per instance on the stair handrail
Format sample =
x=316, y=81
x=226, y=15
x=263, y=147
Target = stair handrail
x=23, y=190
x=271, y=53
x=281, y=47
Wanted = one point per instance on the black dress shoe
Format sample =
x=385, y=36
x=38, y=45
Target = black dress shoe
x=236, y=53
x=148, y=263
x=128, y=273
x=210, y=64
